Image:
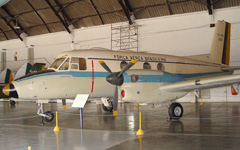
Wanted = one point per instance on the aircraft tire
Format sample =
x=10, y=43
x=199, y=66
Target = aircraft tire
x=50, y=118
x=175, y=111
x=12, y=103
x=107, y=109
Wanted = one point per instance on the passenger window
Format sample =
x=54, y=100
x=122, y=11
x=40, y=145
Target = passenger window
x=160, y=67
x=123, y=64
x=146, y=65
x=65, y=65
x=81, y=63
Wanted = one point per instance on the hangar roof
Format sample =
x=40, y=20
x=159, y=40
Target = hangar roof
x=35, y=17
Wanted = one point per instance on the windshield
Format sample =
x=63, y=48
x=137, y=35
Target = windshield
x=57, y=62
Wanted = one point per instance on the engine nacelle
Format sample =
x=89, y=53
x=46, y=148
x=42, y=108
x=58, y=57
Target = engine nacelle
x=147, y=93
x=142, y=86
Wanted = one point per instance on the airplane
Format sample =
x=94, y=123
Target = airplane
x=6, y=76
x=155, y=78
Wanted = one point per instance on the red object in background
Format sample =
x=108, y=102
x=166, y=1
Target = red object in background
x=234, y=92
x=15, y=58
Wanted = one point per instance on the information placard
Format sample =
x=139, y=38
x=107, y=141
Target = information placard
x=80, y=100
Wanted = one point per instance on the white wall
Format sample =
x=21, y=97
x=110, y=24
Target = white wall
x=183, y=35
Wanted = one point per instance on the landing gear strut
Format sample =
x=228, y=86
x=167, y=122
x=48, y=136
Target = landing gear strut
x=175, y=111
x=48, y=116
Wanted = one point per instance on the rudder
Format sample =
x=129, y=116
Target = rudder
x=220, y=48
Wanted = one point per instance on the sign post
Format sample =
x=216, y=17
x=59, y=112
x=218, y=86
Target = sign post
x=80, y=102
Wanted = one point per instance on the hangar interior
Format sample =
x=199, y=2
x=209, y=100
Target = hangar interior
x=38, y=30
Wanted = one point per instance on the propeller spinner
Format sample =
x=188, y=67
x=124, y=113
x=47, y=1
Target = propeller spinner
x=116, y=79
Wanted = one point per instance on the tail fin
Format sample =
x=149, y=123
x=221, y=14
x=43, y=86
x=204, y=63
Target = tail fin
x=6, y=76
x=23, y=70
x=220, y=48
x=38, y=67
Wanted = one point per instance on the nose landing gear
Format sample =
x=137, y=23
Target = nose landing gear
x=47, y=116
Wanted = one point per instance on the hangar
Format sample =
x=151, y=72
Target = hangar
x=38, y=30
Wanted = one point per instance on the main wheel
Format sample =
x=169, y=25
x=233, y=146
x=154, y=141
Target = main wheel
x=12, y=103
x=175, y=111
x=50, y=116
x=109, y=108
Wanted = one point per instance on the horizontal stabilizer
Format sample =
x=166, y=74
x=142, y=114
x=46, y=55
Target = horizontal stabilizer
x=230, y=68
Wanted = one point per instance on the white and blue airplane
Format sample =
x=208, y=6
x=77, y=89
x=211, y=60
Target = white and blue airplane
x=155, y=78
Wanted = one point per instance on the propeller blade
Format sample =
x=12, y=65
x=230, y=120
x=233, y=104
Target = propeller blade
x=115, y=101
x=128, y=66
x=102, y=63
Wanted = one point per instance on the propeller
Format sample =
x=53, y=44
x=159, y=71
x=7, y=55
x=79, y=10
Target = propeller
x=116, y=78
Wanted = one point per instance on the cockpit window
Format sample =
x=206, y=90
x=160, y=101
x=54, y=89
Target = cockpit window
x=57, y=62
x=65, y=65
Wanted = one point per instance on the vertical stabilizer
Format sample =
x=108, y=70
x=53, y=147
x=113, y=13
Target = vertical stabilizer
x=6, y=76
x=220, y=48
x=23, y=70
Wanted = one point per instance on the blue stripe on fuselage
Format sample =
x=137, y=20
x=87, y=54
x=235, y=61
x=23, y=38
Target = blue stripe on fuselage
x=72, y=73
x=165, y=78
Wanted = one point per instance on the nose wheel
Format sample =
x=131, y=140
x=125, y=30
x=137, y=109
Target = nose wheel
x=47, y=116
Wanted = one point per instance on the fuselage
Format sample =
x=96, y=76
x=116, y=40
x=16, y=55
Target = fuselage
x=78, y=72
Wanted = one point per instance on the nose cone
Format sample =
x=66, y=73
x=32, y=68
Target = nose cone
x=9, y=90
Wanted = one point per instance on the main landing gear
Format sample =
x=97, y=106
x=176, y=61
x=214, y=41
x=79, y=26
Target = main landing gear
x=107, y=104
x=175, y=111
x=48, y=116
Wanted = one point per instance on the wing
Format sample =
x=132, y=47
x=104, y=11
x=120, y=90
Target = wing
x=204, y=83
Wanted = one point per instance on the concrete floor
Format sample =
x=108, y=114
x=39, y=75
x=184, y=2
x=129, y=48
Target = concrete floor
x=211, y=126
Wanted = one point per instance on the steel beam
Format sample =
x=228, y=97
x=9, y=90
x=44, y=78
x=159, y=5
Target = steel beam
x=10, y=15
x=128, y=5
x=4, y=34
x=77, y=19
x=94, y=6
x=209, y=7
x=8, y=23
x=163, y=4
x=62, y=10
x=169, y=7
x=39, y=16
x=58, y=16
x=125, y=11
